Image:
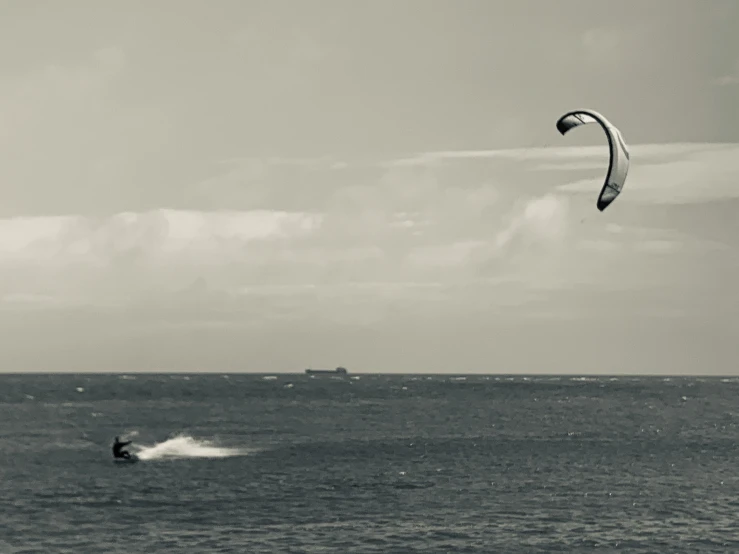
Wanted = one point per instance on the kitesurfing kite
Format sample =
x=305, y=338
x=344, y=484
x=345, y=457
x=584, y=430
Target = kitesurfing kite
x=618, y=166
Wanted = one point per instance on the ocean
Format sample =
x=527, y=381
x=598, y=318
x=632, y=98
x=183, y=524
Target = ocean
x=369, y=463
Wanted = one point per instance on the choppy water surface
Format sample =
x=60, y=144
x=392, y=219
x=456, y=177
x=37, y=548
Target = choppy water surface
x=291, y=463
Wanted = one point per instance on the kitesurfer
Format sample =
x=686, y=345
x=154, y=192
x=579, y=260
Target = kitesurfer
x=117, y=452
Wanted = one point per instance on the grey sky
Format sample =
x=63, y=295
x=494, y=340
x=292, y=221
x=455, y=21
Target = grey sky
x=266, y=185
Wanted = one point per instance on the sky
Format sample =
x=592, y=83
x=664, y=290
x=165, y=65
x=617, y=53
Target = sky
x=273, y=185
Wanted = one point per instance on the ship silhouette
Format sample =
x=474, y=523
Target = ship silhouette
x=337, y=371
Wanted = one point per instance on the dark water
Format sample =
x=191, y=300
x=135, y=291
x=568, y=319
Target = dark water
x=369, y=464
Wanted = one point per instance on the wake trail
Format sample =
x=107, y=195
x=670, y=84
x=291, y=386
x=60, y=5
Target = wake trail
x=184, y=446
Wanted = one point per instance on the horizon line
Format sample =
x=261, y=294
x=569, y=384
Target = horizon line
x=365, y=373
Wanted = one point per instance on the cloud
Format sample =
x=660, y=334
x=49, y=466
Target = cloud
x=542, y=218
x=86, y=260
x=442, y=235
x=683, y=175
x=461, y=195
x=561, y=156
x=376, y=253
x=42, y=240
x=680, y=173
x=659, y=173
x=428, y=159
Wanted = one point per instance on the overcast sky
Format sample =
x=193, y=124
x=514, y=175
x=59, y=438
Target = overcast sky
x=267, y=186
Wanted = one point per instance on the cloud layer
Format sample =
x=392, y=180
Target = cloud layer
x=439, y=221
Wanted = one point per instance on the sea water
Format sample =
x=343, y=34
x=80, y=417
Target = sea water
x=369, y=463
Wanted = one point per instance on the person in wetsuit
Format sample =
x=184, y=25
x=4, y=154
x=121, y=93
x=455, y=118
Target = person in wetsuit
x=117, y=452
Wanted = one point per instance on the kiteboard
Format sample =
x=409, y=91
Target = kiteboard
x=132, y=460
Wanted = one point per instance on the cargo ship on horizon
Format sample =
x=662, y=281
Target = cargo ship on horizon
x=337, y=371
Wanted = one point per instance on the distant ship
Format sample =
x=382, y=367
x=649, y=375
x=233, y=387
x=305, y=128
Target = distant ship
x=337, y=371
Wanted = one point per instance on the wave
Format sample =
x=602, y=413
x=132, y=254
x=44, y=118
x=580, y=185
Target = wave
x=184, y=446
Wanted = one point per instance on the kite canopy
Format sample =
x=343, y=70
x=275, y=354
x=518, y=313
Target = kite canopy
x=618, y=165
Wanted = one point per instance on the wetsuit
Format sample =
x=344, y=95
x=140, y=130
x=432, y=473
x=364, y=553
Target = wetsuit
x=117, y=452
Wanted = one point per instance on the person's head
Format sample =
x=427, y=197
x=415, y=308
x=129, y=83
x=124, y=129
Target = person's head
x=116, y=439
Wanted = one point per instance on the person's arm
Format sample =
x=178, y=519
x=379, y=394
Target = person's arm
x=126, y=443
